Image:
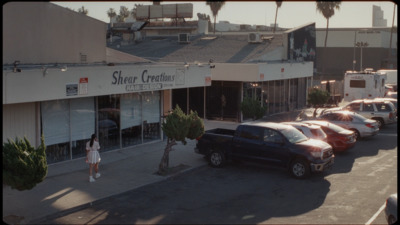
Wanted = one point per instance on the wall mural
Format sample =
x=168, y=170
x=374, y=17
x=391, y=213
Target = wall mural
x=302, y=44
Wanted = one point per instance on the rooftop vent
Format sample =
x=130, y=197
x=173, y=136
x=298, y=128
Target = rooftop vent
x=254, y=38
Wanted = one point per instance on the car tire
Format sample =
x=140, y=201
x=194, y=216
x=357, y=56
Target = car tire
x=217, y=159
x=299, y=168
x=357, y=134
x=380, y=122
x=391, y=220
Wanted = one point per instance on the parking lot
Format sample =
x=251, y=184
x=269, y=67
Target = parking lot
x=352, y=192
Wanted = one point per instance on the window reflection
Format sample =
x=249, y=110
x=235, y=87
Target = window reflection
x=108, y=122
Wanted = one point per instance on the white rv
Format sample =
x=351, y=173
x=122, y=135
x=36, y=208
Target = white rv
x=365, y=84
x=391, y=80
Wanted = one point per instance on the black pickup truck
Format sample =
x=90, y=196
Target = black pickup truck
x=269, y=143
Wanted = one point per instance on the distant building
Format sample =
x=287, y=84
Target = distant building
x=377, y=17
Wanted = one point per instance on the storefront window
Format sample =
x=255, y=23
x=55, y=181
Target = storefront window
x=55, y=127
x=131, y=119
x=151, y=116
x=82, y=124
x=108, y=122
x=122, y=121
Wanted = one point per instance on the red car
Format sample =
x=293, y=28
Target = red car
x=339, y=138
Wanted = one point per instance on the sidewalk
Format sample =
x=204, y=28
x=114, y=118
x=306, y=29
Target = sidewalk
x=66, y=187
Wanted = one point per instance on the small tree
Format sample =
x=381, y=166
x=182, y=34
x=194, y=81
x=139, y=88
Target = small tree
x=83, y=11
x=317, y=98
x=252, y=108
x=23, y=165
x=177, y=127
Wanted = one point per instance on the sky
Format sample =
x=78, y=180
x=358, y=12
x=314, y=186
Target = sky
x=352, y=14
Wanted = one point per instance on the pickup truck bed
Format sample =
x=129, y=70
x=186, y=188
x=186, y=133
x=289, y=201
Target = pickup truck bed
x=215, y=139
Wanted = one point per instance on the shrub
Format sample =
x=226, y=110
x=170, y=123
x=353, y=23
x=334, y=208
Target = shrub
x=23, y=165
x=252, y=108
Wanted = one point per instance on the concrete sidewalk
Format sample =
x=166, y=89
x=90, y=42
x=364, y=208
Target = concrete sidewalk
x=66, y=187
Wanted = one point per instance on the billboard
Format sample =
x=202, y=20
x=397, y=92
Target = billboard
x=144, y=12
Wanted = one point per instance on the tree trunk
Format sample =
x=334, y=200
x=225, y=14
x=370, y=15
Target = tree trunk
x=215, y=22
x=324, y=54
x=315, y=112
x=276, y=15
x=164, y=164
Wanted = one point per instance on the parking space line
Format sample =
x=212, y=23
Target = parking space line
x=376, y=214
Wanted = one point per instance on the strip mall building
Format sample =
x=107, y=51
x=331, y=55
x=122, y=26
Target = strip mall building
x=60, y=80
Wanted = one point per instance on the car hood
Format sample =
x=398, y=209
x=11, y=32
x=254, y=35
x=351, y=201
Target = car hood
x=314, y=143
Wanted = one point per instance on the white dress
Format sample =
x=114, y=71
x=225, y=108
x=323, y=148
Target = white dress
x=93, y=155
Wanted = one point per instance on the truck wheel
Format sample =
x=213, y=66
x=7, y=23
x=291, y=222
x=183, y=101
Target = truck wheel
x=300, y=169
x=217, y=159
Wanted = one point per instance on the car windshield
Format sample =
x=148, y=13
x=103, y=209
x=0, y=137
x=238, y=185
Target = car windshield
x=294, y=135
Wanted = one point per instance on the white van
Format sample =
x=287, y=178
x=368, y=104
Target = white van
x=365, y=84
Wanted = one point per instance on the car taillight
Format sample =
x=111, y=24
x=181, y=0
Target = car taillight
x=369, y=125
x=198, y=138
x=391, y=115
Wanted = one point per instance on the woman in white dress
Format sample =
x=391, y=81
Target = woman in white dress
x=93, y=156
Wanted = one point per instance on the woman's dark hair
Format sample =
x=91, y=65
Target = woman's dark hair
x=92, y=139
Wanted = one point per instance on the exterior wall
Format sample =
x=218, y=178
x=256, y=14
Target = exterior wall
x=346, y=38
x=261, y=71
x=235, y=72
x=42, y=32
x=167, y=102
x=100, y=81
x=19, y=121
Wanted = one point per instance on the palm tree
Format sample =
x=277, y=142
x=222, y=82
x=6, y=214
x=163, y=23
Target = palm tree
x=111, y=13
x=215, y=6
x=83, y=10
x=123, y=14
x=327, y=8
x=278, y=4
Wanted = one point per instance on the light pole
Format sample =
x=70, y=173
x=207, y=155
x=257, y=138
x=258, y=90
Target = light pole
x=361, y=45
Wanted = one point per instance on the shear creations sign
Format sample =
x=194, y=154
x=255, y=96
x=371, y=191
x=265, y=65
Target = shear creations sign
x=147, y=81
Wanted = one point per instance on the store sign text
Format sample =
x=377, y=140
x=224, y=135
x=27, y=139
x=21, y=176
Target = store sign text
x=143, y=82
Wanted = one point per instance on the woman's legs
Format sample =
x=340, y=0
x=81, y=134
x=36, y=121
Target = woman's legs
x=90, y=169
x=96, y=167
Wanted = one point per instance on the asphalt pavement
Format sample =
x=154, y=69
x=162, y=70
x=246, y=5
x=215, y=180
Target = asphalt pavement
x=67, y=187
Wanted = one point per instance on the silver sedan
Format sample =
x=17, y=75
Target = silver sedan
x=361, y=126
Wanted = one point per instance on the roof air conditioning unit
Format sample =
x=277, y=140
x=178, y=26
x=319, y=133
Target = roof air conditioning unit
x=183, y=38
x=254, y=38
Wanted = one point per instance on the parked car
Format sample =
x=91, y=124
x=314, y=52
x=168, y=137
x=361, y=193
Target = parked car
x=392, y=100
x=339, y=138
x=391, y=209
x=309, y=130
x=361, y=126
x=268, y=143
x=384, y=112
x=391, y=94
